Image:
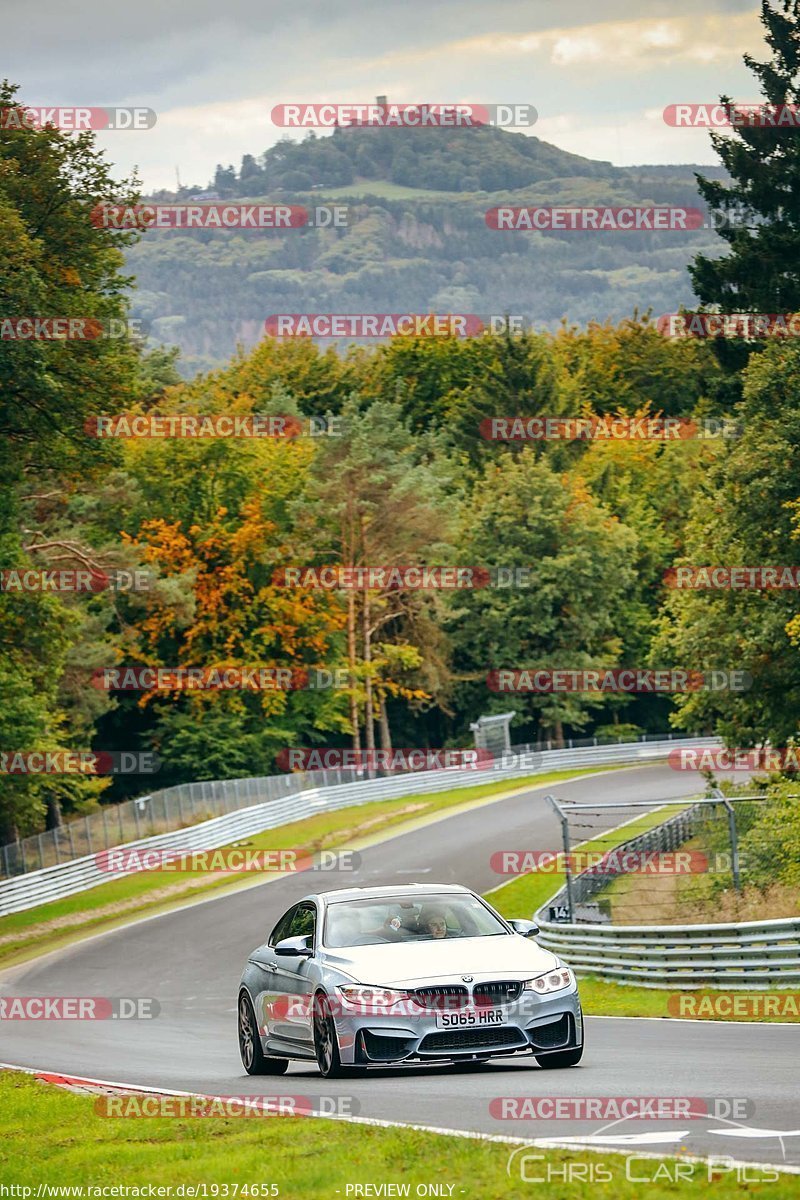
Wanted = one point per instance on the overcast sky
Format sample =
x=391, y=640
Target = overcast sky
x=599, y=74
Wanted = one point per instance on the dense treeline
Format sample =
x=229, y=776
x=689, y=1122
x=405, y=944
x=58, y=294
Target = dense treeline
x=597, y=524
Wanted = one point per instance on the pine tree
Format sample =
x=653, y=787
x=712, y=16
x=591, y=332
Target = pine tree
x=758, y=214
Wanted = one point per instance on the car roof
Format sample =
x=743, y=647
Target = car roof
x=338, y=895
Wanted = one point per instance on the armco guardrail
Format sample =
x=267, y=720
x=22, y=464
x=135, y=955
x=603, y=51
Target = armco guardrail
x=753, y=954
x=185, y=804
x=749, y=954
x=80, y=874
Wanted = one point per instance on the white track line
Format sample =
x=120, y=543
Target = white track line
x=693, y=1020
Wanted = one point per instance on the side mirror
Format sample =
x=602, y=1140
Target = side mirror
x=525, y=928
x=294, y=947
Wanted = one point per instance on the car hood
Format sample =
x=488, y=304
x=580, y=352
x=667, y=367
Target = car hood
x=407, y=963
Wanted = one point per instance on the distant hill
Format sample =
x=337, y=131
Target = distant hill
x=416, y=241
x=465, y=159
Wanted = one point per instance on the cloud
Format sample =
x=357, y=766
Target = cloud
x=635, y=43
x=213, y=73
x=633, y=139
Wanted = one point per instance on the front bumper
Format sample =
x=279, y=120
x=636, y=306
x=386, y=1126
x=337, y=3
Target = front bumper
x=533, y=1024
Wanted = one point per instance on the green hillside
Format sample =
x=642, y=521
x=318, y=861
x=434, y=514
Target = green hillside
x=416, y=239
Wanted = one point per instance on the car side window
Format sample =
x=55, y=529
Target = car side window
x=303, y=922
x=281, y=930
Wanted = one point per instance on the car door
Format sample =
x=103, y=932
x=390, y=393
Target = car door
x=264, y=960
x=291, y=985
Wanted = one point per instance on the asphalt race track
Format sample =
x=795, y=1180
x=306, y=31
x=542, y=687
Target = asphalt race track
x=190, y=961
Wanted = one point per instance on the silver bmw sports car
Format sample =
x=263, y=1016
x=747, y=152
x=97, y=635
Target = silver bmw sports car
x=382, y=975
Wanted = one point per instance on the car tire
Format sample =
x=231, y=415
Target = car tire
x=564, y=1058
x=254, y=1060
x=326, y=1043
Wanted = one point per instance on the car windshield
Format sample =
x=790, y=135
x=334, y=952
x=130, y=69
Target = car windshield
x=422, y=918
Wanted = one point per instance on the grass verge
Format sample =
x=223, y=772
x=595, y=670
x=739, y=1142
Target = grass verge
x=697, y=896
x=49, y=926
x=767, y=1005
x=55, y=1139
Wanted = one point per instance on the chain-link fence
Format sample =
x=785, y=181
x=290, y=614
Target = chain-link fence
x=649, y=876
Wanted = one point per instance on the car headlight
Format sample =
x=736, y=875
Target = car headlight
x=373, y=997
x=553, y=981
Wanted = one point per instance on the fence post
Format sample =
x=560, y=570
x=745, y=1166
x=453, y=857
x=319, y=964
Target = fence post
x=5, y=860
x=89, y=845
x=105, y=825
x=737, y=881
x=564, y=819
x=717, y=794
x=41, y=851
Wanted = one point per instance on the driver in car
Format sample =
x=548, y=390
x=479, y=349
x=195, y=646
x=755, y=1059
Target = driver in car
x=434, y=922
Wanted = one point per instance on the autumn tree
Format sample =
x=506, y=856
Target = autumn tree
x=376, y=498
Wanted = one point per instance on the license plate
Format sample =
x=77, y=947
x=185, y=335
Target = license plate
x=470, y=1018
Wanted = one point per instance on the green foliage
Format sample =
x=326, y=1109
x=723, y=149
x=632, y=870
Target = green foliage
x=55, y=263
x=60, y=264
x=454, y=160
x=770, y=848
x=411, y=480
x=757, y=212
x=580, y=558
x=743, y=514
x=618, y=733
